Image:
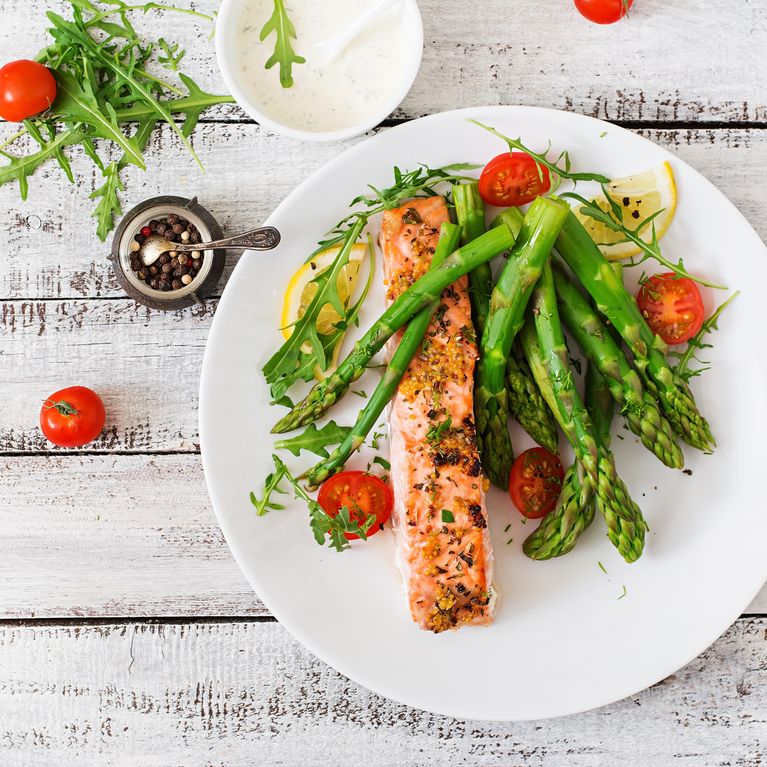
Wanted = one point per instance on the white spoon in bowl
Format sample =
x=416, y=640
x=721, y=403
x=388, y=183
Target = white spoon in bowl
x=329, y=49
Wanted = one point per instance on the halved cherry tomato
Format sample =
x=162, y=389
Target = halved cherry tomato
x=362, y=494
x=603, y=11
x=535, y=482
x=72, y=417
x=672, y=307
x=26, y=89
x=513, y=179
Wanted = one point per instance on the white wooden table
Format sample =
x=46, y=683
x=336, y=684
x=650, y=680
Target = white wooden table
x=127, y=633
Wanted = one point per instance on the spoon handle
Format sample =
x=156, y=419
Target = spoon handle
x=262, y=238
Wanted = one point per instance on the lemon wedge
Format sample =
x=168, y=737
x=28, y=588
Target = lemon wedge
x=302, y=289
x=639, y=196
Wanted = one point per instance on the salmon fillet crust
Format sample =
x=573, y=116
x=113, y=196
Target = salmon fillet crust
x=440, y=522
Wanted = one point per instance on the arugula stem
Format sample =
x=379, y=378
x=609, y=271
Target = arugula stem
x=120, y=8
x=540, y=159
x=13, y=138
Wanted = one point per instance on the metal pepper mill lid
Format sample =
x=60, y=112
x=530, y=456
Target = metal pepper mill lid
x=131, y=224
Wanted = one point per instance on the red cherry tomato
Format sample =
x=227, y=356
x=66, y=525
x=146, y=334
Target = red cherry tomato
x=513, y=179
x=26, y=89
x=535, y=482
x=362, y=494
x=72, y=417
x=603, y=11
x=672, y=307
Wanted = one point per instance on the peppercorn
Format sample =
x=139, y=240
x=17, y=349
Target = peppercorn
x=172, y=270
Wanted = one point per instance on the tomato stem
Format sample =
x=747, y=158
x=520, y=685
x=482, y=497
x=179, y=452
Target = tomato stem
x=63, y=407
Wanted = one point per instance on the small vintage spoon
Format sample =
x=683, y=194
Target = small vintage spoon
x=263, y=238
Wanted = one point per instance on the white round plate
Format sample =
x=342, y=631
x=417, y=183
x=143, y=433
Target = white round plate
x=567, y=636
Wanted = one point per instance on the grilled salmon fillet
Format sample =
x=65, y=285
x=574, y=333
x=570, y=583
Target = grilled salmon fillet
x=439, y=518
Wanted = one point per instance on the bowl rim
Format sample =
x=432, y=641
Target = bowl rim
x=227, y=17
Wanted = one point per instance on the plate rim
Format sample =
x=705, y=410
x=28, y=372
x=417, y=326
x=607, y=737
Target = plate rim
x=221, y=516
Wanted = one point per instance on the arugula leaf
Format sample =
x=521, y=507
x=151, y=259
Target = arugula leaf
x=682, y=368
x=77, y=103
x=109, y=204
x=172, y=55
x=78, y=34
x=315, y=440
x=334, y=529
x=613, y=219
x=271, y=485
x=20, y=168
x=284, y=55
x=280, y=369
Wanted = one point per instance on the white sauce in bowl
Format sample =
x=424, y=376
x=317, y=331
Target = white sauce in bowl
x=354, y=87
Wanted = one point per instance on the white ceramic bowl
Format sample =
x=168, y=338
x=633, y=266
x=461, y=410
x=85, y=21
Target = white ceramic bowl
x=227, y=53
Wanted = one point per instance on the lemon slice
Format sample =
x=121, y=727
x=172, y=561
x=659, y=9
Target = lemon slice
x=302, y=289
x=639, y=196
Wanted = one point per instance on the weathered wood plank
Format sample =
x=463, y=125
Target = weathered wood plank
x=668, y=62
x=145, y=364
x=246, y=693
x=50, y=249
x=119, y=536
x=101, y=536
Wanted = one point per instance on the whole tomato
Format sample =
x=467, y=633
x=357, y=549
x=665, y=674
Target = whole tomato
x=72, y=417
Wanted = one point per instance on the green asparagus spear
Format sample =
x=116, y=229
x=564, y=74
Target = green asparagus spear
x=470, y=213
x=507, y=306
x=512, y=217
x=421, y=293
x=406, y=349
x=638, y=406
x=560, y=529
x=599, y=403
x=625, y=524
x=596, y=275
x=525, y=401
x=528, y=406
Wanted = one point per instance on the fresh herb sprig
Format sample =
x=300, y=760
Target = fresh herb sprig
x=696, y=343
x=558, y=171
x=284, y=55
x=315, y=440
x=613, y=219
x=326, y=528
x=100, y=65
x=436, y=432
x=306, y=350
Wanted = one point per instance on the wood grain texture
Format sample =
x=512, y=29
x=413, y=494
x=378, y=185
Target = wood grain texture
x=247, y=694
x=104, y=536
x=668, y=62
x=112, y=536
x=51, y=250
